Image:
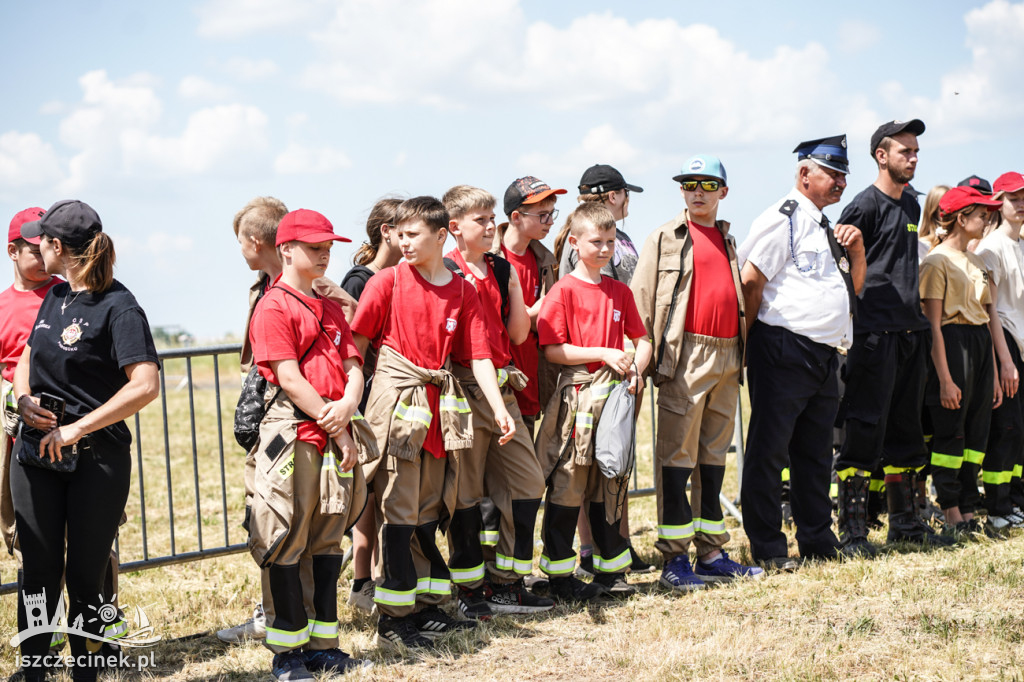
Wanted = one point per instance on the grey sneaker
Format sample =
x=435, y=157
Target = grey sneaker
x=254, y=628
x=363, y=599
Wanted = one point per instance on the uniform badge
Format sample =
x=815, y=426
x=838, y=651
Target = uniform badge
x=337, y=338
x=71, y=334
x=616, y=314
x=450, y=324
x=844, y=264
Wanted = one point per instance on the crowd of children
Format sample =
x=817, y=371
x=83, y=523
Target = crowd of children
x=406, y=402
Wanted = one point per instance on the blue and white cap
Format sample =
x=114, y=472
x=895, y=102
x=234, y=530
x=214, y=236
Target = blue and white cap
x=702, y=165
x=828, y=152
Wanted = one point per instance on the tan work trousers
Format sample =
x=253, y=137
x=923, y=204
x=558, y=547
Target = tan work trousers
x=300, y=586
x=696, y=417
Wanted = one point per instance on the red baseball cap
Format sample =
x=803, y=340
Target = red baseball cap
x=22, y=217
x=306, y=226
x=962, y=197
x=1008, y=182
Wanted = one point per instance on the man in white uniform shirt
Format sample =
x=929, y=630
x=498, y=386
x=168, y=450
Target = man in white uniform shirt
x=801, y=276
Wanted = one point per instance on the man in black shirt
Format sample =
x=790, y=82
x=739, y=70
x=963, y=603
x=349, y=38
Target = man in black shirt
x=886, y=368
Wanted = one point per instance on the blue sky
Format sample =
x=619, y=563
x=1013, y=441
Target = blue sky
x=169, y=117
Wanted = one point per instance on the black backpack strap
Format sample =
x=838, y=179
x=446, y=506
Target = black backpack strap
x=454, y=267
x=502, y=270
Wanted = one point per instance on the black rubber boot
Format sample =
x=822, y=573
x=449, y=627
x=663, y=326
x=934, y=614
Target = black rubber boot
x=853, y=516
x=904, y=523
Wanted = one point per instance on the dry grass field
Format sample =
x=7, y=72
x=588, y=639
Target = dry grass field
x=908, y=615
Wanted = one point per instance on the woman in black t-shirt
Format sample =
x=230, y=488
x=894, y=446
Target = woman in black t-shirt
x=92, y=352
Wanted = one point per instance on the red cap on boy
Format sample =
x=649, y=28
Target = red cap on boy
x=306, y=226
x=26, y=216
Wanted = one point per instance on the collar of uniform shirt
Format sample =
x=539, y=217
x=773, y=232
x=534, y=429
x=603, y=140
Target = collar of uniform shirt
x=806, y=205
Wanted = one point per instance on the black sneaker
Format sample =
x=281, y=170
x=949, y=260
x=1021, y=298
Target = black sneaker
x=290, y=667
x=473, y=602
x=639, y=565
x=615, y=584
x=515, y=598
x=394, y=633
x=432, y=623
x=333, y=661
x=586, y=566
x=569, y=588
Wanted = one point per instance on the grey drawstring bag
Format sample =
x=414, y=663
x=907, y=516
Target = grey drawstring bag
x=614, y=442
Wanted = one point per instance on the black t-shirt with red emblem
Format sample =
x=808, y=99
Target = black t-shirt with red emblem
x=81, y=343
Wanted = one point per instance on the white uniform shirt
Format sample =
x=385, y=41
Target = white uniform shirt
x=805, y=292
x=1005, y=262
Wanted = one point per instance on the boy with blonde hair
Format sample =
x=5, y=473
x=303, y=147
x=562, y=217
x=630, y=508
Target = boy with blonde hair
x=582, y=324
x=421, y=317
x=509, y=473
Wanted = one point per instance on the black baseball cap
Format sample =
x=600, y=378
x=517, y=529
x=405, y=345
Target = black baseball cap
x=914, y=125
x=73, y=222
x=978, y=183
x=603, y=178
x=527, y=190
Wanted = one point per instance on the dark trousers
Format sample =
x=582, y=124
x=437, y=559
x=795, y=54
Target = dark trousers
x=87, y=503
x=961, y=435
x=881, y=409
x=794, y=395
x=1005, y=445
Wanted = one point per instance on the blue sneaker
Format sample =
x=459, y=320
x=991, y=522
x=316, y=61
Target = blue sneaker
x=723, y=569
x=290, y=666
x=678, y=576
x=333, y=661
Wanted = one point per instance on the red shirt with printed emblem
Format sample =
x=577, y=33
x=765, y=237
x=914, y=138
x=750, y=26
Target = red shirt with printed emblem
x=426, y=323
x=20, y=309
x=589, y=315
x=490, y=303
x=284, y=327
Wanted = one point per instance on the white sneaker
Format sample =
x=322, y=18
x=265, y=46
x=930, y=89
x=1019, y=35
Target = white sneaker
x=999, y=522
x=363, y=599
x=254, y=628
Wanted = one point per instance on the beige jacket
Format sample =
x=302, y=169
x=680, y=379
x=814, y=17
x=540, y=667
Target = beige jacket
x=570, y=409
x=661, y=287
x=341, y=493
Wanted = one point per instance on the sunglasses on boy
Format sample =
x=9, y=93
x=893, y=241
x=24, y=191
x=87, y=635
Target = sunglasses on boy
x=545, y=217
x=706, y=185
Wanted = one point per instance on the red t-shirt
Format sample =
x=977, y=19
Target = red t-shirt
x=426, y=323
x=490, y=303
x=19, y=316
x=713, y=309
x=589, y=315
x=526, y=355
x=283, y=328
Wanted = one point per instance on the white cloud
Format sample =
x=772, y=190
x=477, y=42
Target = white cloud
x=53, y=107
x=602, y=144
x=648, y=69
x=224, y=138
x=197, y=87
x=27, y=161
x=979, y=99
x=856, y=36
x=249, y=70
x=237, y=18
x=297, y=159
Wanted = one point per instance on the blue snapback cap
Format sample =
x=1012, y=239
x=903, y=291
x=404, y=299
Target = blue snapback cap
x=702, y=165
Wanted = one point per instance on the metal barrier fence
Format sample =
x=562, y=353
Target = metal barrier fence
x=185, y=461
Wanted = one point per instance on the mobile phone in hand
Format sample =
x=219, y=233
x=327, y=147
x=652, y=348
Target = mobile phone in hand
x=54, y=404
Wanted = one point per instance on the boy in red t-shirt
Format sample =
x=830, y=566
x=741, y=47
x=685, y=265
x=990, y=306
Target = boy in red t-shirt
x=582, y=324
x=306, y=491
x=687, y=288
x=530, y=206
x=421, y=317
x=509, y=473
x=19, y=303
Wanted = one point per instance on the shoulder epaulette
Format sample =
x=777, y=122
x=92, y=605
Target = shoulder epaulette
x=788, y=207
